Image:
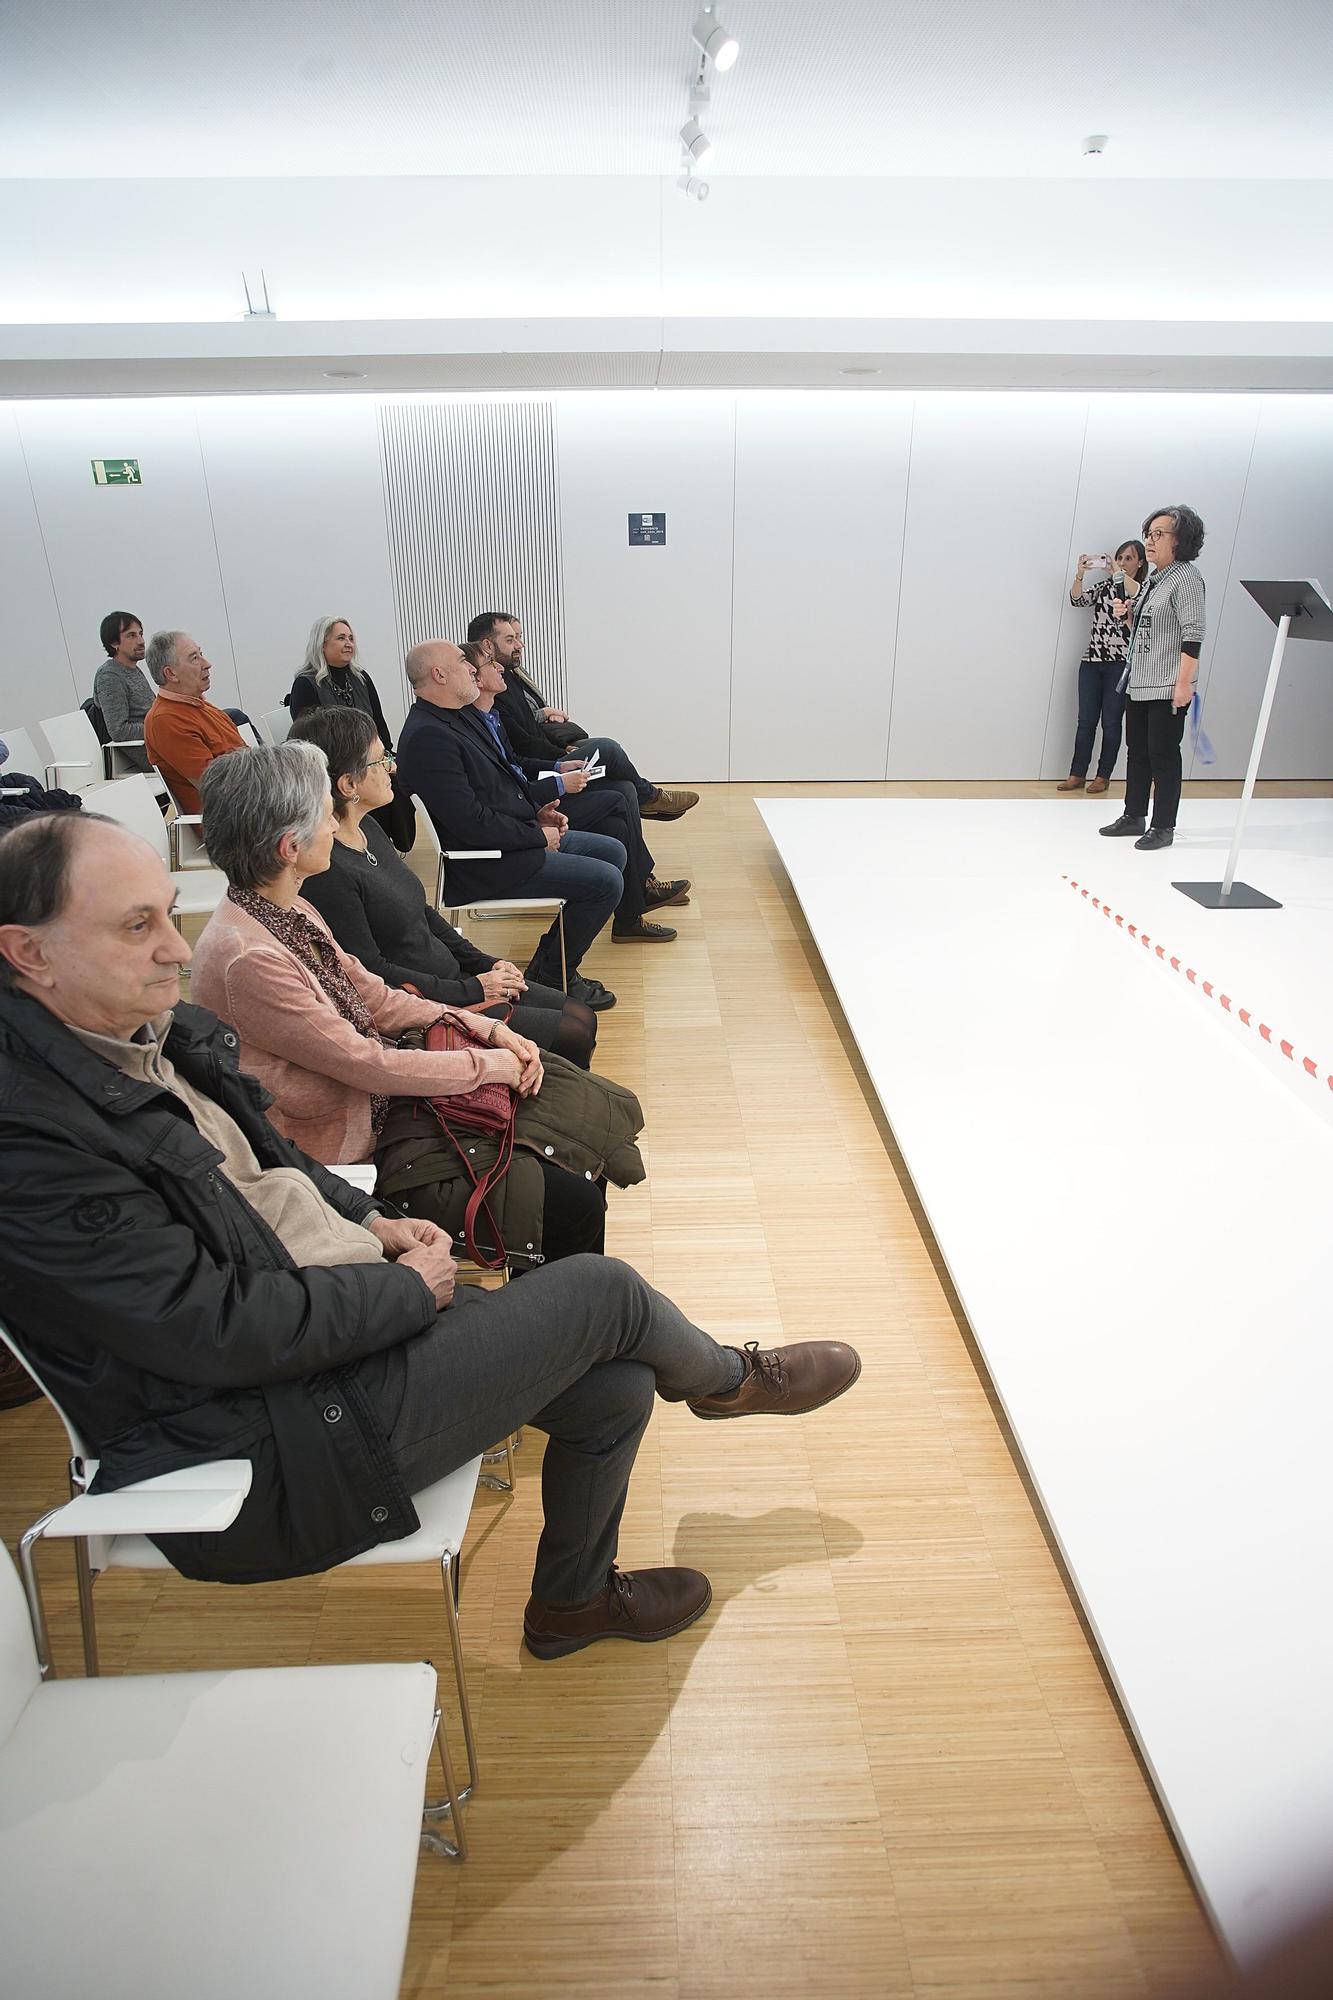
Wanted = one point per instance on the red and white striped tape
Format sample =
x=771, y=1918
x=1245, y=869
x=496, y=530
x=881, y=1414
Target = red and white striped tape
x=1306, y=1065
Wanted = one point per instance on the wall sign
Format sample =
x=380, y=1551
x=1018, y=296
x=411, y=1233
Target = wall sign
x=116, y=472
x=647, y=531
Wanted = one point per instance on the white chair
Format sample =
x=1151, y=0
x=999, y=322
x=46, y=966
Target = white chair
x=442, y=1509
x=75, y=750
x=24, y=756
x=209, y=1834
x=277, y=722
x=494, y=906
x=132, y=802
x=185, y=838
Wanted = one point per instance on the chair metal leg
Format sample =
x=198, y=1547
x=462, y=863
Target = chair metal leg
x=450, y=1807
x=83, y=1576
x=452, y=1573
x=83, y=1573
x=32, y=1590
x=492, y=1480
x=564, y=969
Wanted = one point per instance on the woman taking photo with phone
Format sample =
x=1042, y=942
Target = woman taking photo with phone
x=1102, y=668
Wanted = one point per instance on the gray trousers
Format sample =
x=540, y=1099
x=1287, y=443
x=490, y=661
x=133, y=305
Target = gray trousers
x=577, y=1349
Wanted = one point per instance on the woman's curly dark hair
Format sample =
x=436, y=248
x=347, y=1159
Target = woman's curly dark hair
x=1188, y=527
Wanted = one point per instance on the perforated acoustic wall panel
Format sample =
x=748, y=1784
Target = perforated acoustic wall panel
x=471, y=498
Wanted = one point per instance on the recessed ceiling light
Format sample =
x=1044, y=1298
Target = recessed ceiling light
x=344, y=374
x=858, y=371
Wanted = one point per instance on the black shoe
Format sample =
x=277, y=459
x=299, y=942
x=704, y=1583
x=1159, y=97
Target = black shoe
x=1157, y=836
x=656, y=894
x=641, y=932
x=592, y=993
x=1122, y=828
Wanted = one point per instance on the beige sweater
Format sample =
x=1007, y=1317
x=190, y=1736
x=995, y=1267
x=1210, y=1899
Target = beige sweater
x=308, y=1229
x=321, y=1070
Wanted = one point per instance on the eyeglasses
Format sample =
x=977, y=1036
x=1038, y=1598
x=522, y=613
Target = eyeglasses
x=384, y=763
x=1157, y=535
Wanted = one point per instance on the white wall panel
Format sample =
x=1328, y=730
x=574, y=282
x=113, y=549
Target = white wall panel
x=1141, y=452
x=1286, y=530
x=648, y=631
x=147, y=548
x=474, y=522
x=989, y=501
x=821, y=492
x=298, y=515
x=35, y=674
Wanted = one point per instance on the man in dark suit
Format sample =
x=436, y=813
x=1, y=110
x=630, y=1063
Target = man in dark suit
x=538, y=731
x=477, y=800
x=590, y=805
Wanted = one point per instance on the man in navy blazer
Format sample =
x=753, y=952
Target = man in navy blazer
x=477, y=800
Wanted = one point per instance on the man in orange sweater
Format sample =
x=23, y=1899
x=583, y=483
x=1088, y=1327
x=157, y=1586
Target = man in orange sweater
x=183, y=732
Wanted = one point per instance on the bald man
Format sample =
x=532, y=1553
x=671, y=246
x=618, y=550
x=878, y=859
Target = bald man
x=477, y=800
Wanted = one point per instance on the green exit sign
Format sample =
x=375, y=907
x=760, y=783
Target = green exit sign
x=116, y=472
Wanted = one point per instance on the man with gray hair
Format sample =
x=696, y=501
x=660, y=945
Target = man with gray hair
x=191, y=1286
x=182, y=732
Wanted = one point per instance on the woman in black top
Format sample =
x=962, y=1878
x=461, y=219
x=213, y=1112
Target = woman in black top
x=329, y=677
x=377, y=909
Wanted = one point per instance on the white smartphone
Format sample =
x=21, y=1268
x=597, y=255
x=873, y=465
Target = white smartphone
x=1098, y=562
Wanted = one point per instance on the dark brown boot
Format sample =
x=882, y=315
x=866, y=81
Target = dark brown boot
x=640, y=1604
x=785, y=1381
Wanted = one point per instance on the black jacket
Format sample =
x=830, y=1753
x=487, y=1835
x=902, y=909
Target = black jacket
x=529, y=735
x=308, y=692
x=166, y=1316
x=448, y=759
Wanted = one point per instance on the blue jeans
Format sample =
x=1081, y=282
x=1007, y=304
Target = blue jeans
x=588, y=870
x=617, y=761
x=1098, y=701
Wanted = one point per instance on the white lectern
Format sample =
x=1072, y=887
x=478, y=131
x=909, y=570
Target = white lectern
x=1303, y=611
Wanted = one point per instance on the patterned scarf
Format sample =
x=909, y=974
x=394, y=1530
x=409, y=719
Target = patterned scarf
x=306, y=942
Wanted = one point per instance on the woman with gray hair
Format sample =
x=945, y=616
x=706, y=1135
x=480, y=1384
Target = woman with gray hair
x=321, y=1033
x=1167, y=624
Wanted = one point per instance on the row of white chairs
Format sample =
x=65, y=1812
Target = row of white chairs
x=215, y=1833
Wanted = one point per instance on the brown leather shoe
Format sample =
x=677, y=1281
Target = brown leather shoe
x=668, y=805
x=641, y=1604
x=642, y=933
x=1098, y=784
x=1072, y=784
x=786, y=1381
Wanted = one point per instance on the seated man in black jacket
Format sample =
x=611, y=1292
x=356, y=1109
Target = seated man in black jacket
x=191, y=1287
x=538, y=731
x=609, y=805
x=477, y=802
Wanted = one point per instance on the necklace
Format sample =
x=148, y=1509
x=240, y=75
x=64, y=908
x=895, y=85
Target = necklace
x=364, y=851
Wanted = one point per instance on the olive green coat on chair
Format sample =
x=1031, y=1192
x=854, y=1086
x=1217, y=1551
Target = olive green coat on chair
x=580, y=1120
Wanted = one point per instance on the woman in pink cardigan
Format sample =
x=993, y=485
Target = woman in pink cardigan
x=317, y=1029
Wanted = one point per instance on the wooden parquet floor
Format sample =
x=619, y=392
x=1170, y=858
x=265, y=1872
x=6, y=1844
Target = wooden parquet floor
x=886, y=1763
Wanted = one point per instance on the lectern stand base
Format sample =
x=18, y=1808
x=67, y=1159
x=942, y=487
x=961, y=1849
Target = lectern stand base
x=1242, y=896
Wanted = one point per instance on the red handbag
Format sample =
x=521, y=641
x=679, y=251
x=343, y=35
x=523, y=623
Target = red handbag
x=490, y=1109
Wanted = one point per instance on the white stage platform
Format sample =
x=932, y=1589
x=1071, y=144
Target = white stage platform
x=1133, y=1189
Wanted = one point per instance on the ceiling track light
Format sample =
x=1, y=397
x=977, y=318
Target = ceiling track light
x=720, y=47
x=692, y=189
x=698, y=146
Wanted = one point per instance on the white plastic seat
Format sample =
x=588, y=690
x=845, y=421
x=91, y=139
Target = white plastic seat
x=277, y=721
x=76, y=758
x=489, y=907
x=24, y=756
x=443, y=1511
x=133, y=803
x=209, y=1834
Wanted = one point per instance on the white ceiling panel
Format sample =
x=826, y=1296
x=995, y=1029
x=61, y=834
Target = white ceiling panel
x=177, y=88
